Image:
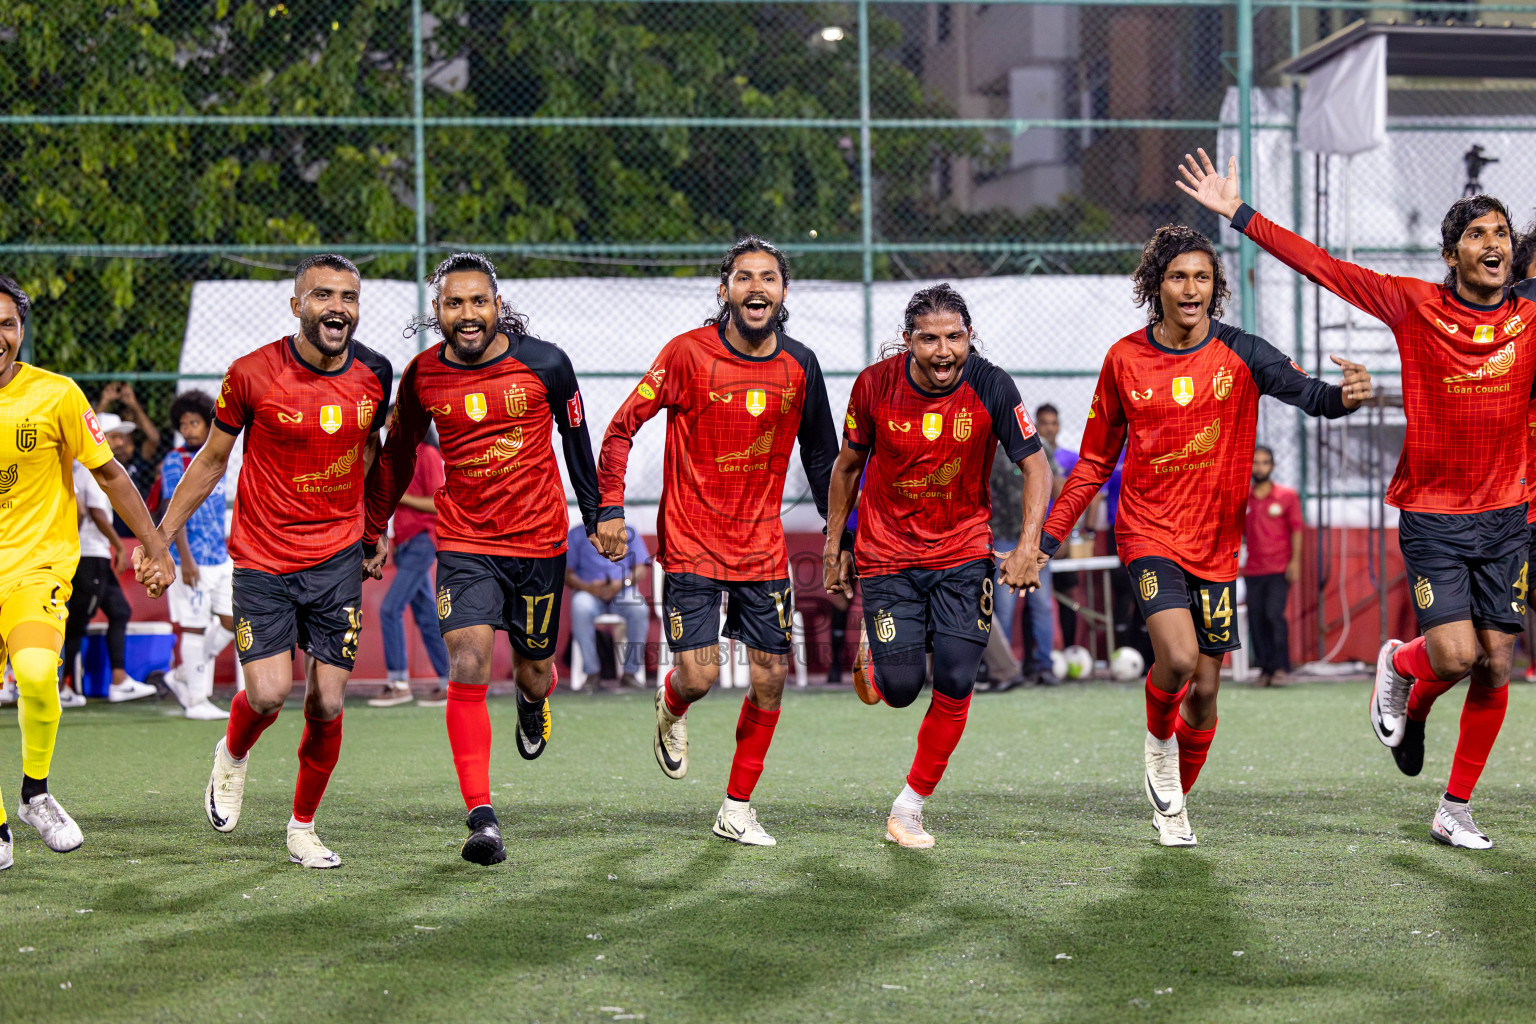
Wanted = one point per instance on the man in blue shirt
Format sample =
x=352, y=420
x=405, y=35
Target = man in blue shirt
x=200, y=599
x=600, y=587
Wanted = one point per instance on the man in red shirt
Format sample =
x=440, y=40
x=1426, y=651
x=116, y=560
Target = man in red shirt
x=1273, y=536
x=415, y=538
x=926, y=421
x=495, y=394
x=1468, y=365
x=310, y=406
x=738, y=393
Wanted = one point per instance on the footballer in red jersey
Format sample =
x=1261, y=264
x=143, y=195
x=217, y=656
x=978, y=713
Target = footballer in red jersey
x=926, y=422
x=496, y=395
x=310, y=406
x=1181, y=396
x=738, y=393
x=1468, y=366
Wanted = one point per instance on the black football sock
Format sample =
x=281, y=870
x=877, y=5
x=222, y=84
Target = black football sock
x=1453, y=800
x=5, y=832
x=31, y=787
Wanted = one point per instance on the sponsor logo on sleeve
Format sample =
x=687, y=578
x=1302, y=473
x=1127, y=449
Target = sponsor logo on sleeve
x=646, y=391
x=853, y=424
x=93, y=427
x=1027, y=425
x=573, y=409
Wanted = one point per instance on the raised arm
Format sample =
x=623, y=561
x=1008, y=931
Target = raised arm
x=1383, y=296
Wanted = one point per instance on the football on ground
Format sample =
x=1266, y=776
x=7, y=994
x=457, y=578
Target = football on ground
x=1316, y=892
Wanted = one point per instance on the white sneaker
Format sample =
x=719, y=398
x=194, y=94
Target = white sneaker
x=1161, y=781
x=304, y=847
x=393, y=695
x=1173, y=829
x=6, y=857
x=68, y=698
x=905, y=826
x=52, y=822
x=178, y=687
x=226, y=790
x=206, y=711
x=129, y=689
x=738, y=823
x=1453, y=826
x=1389, y=697
x=670, y=744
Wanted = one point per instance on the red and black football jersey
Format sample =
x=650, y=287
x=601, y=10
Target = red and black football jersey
x=926, y=500
x=1467, y=374
x=301, y=482
x=495, y=426
x=732, y=421
x=1190, y=416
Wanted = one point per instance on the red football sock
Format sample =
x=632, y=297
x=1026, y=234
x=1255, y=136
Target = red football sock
x=1423, y=695
x=1412, y=660
x=245, y=727
x=1481, y=717
x=675, y=704
x=554, y=680
x=937, y=737
x=1194, y=744
x=469, y=736
x=319, y=748
x=754, y=732
x=1162, y=708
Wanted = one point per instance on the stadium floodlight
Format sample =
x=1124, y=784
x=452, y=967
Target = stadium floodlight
x=832, y=34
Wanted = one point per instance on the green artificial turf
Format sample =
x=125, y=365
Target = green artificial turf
x=1315, y=894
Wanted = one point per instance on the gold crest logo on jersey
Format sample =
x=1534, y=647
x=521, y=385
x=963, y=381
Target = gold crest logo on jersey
x=26, y=437
x=893, y=425
x=885, y=626
x=1483, y=334
x=340, y=468
x=962, y=426
x=1148, y=584
x=1183, y=390
x=330, y=418
x=1221, y=383
x=243, y=637
x=933, y=425
x=1513, y=326
x=1198, y=445
x=444, y=602
x=675, y=624
x=8, y=477
x=762, y=446
x=365, y=410
x=1496, y=365
x=786, y=401
x=938, y=478
x=475, y=407
x=517, y=401
x=757, y=401
x=1423, y=593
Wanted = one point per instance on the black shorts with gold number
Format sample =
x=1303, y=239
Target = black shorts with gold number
x=1162, y=583
x=319, y=608
x=759, y=613
x=1469, y=566
x=907, y=609
x=518, y=595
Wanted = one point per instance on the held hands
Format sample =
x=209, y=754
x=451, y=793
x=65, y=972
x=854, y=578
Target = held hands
x=611, y=539
x=1356, y=383
x=1212, y=191
x=154, y=569
x=373, y=568
x=1021, y=569
x=837, y=569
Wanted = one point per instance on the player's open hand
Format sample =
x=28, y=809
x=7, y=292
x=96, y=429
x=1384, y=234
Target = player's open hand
x=373, y=568
x=1021, y=569
x=612, y=539
x=837, y=570
x=1212, y=191
x=1356, y=383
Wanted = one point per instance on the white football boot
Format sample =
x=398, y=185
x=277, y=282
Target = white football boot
x=670, y=743
x=1161, y=780
x=226, y=790
x=905, y=826
x=305, y=848
x=1453, y=826
x=1389, y=697
x=1174, y=829
x=737, y=822
x=52, y=822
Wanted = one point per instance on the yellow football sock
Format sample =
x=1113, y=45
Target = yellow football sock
x=37, y=685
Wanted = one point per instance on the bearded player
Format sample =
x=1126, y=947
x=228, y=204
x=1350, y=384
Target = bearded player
x=927, y=421
x=1181, y=395
x=1468, y=366
x=494, y=393
x=45, y=426
x=310, y=406
x=738, y=393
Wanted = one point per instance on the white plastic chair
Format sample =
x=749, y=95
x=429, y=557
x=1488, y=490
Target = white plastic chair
x=619, y=628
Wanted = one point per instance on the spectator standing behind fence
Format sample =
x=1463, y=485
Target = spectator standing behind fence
x=415, y=556
x=600, y=587
x=95, y=585
x=1273, y=534
x=201, y=600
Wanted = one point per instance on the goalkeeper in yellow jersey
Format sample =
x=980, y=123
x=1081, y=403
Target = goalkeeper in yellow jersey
x=45, y=425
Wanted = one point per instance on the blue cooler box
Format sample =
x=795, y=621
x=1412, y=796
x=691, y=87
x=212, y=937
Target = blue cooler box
x=148, y=648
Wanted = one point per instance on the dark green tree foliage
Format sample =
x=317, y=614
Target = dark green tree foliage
x=307, y=186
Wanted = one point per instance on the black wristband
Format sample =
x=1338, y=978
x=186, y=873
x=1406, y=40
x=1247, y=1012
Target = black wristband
x=370, y=550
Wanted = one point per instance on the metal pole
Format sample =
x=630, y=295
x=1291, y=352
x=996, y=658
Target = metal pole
x=420, y=131
x=1245, y=154
x=866, y=186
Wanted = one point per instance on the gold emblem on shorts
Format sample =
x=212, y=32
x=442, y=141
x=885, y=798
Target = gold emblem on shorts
x=243, y=638
x=444, y=602
x=933, y=425
x=1423, y=593
x=885, y=626
x=962, y=427
x=675, y=624
x=1218, y=638
x=1148, y=583
x=330, y=418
